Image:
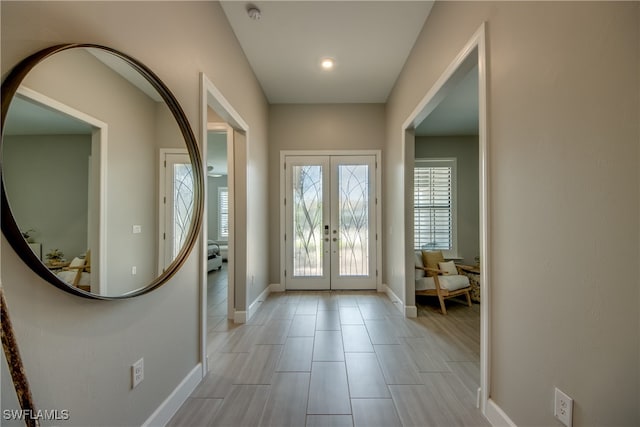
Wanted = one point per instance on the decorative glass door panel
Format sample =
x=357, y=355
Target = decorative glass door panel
x=353, y=220
x=307, y=221
x=182, y=203
x=353, y=259
x=330, y=222
x=178, y=201
x=307, y=244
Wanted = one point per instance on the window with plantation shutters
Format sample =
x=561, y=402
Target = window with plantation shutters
x=434, y=199
x=223, y=213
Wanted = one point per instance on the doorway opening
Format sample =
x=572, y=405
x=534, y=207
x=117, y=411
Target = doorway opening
x=219, y=143
x=224, y=137
x=432, y=135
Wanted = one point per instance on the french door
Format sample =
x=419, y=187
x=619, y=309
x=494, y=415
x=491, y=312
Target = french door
x=330, y=222
x=177, y=201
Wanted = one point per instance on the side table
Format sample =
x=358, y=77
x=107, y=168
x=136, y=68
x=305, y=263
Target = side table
x=473, y=273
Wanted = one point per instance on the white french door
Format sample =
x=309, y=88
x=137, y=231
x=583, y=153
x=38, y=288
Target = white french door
x=177, y=201
x=330, y=222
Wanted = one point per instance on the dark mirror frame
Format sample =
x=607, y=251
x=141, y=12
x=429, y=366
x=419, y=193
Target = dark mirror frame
x=9, y=227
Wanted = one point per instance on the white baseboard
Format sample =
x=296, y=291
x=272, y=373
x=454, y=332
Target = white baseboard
x=240, y=317
x=410, y=311
x=255, y=305
x=496, y=416
x=276, y=287
x=162, y=415
x=394, y=298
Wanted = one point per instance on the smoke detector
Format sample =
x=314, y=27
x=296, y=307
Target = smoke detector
x=253, y=12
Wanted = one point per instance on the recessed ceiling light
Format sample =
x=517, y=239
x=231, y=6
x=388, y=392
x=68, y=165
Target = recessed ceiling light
x=327, y=63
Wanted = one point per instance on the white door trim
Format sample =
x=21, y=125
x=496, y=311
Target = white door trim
x=378, y=205
x=454, y=72
x=210, y=96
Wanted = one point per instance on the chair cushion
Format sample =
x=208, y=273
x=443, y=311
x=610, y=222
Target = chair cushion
x=419, y=273
x=76, y=262
x=212, y=249
x=450, y=283
x=449, y=267
x=69, y=276
x=430, y=259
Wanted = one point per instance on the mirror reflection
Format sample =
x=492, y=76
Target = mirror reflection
x=96, y=172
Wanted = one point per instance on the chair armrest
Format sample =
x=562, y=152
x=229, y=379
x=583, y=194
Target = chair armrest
x=464, y=268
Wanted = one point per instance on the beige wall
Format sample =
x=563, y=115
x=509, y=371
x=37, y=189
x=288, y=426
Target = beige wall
x=315, y=127
x=563, y=155
x=77, y=352
x=46, y=181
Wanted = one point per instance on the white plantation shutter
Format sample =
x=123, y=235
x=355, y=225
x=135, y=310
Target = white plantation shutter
x=433, y=204
x=223, y=213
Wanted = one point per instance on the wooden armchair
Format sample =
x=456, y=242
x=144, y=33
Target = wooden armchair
x=78, y=272
x=432, y=280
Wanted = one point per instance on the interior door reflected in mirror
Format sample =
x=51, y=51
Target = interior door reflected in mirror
x=83, y=173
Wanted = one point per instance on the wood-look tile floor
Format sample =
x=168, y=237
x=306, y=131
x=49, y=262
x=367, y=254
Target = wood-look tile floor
x=338, y=359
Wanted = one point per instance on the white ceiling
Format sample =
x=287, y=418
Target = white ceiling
x=370, y=41
x=26, y=117
x=457, y=113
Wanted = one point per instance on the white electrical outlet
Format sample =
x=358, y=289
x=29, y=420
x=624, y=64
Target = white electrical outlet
x=134, y=270
x=563, y=408
x=137, y=229
x=137, y=373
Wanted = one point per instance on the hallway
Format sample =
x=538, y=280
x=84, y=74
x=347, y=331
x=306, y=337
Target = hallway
x=338, y=359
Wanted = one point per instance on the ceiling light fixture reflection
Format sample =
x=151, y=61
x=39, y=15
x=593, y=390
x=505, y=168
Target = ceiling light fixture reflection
x=327, y=63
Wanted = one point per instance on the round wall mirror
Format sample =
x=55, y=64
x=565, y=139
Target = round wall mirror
x=101, y=174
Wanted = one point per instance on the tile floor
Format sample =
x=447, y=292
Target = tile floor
x=337, y=359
